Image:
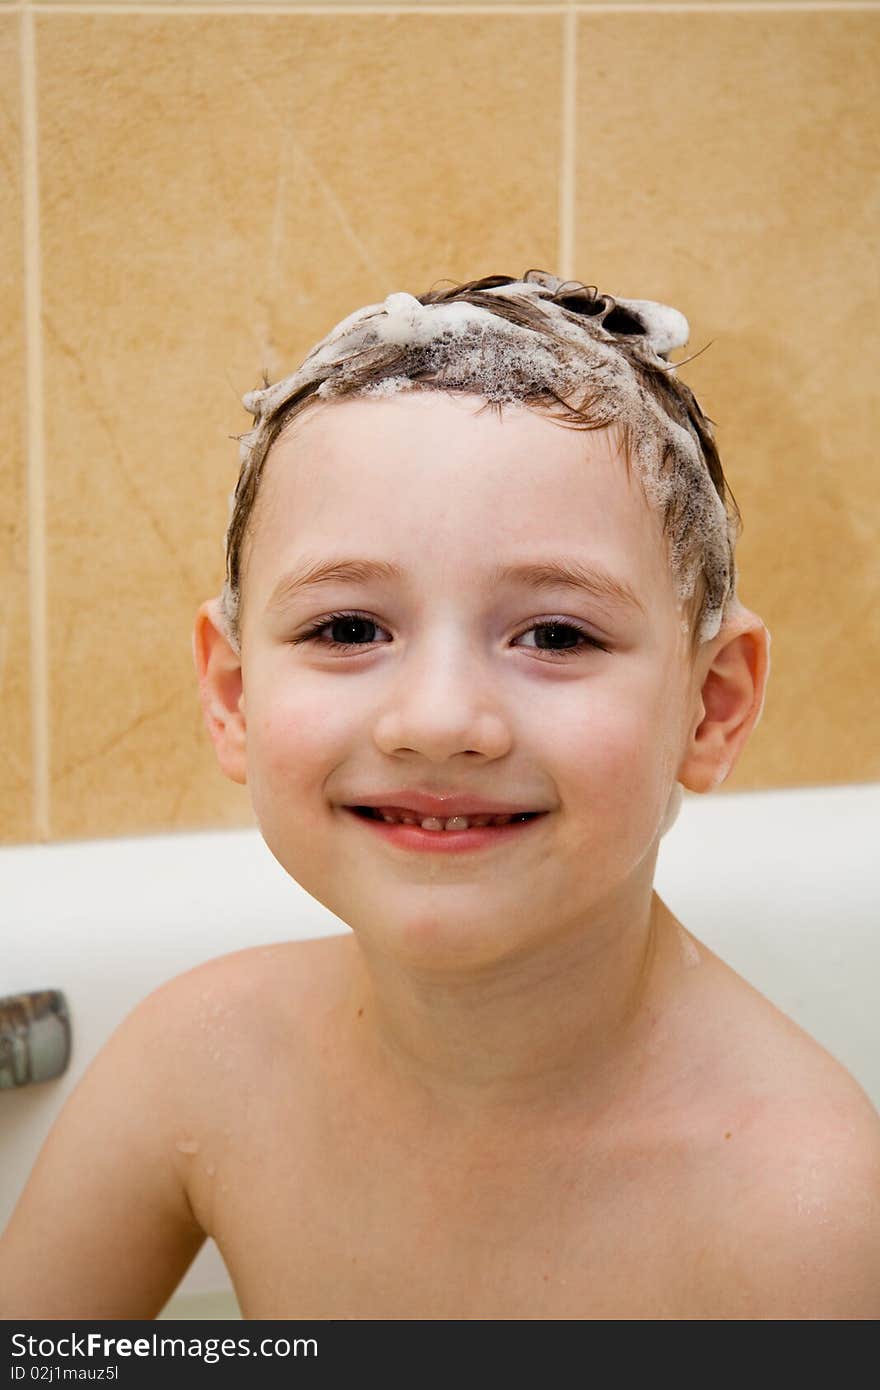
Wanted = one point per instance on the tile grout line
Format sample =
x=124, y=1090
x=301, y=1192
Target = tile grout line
x=601, y=7
x=35, y=439
x=567, y=153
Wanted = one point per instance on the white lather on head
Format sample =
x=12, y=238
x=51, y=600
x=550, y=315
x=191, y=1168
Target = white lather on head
x=402, y=319
x=464, y=344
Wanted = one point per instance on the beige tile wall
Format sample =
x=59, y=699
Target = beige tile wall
x=17, y=812
x=217, y=188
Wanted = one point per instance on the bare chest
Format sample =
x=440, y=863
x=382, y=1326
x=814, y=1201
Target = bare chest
x=328, y=1200
x=312, y=1223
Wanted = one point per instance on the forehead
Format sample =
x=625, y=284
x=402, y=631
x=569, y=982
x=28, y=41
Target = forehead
x=425, y=479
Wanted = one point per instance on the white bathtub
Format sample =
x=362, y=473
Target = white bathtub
x=783, y=885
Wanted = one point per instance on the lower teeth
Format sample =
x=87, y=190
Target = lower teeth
x=375, y=815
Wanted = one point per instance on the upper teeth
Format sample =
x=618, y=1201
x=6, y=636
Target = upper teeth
x=451, y=823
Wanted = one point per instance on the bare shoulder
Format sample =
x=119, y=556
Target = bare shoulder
x=282, y=961
x=117, y=1204
x=245, y=1028
x=798, y=1234
x=789, y=1202
x=228, y=1013
x=261, y=976
x=103, y=1226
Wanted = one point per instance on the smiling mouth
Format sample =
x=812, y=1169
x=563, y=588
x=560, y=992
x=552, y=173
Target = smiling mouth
x=391, y=817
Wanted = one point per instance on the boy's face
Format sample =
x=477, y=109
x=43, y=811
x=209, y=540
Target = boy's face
x=456, y=682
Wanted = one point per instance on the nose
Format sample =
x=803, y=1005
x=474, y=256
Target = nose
x=442, y=701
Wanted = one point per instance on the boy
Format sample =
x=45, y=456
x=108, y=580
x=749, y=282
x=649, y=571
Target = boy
x=479, y=628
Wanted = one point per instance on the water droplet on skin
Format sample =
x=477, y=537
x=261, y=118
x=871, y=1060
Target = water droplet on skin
x=689, y=954
x=187, y=1146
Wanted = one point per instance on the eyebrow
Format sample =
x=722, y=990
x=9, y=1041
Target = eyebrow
x=537, y=574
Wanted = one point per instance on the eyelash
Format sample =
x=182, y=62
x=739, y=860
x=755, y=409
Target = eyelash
x=319, y=627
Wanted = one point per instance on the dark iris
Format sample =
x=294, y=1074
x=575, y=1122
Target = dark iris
x=353, y=626
x=556, y=629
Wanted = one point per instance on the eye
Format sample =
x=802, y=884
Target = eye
x=563, y=630
x=348, y=628
x=560, y=638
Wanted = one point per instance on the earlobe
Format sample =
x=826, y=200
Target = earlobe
x=221, y=690
x=730, y=701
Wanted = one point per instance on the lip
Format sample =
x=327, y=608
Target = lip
x=413, y=837
x=442, y=804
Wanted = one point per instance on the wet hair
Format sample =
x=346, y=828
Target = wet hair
x=580, y=358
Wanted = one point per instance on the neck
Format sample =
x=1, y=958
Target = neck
x=561, y=1027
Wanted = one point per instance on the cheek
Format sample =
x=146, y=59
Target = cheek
x=293, y=746
x=619, y=753
x=294, y=739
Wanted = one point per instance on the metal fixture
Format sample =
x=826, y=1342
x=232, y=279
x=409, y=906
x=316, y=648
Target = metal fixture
x=34, y=1037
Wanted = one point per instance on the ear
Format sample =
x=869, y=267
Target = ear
x=220, y=690
x=730, y=684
